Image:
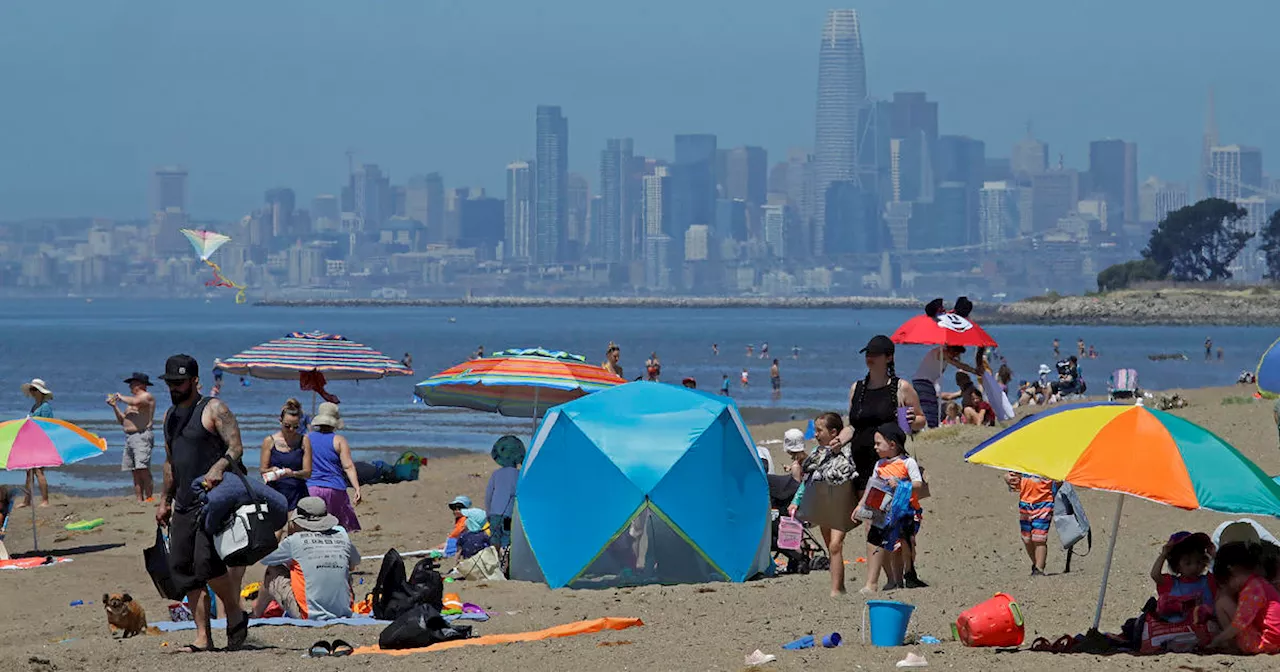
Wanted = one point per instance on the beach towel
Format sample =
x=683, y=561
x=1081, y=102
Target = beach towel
x=567, y=630
x=32, y=563
x=221, y=623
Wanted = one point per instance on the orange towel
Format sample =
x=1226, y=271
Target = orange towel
x=566, y=630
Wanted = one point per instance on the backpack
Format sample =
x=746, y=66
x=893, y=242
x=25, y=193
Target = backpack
x=426, y=577
x=394, y=595
x=420, y=626
x=1070, y=521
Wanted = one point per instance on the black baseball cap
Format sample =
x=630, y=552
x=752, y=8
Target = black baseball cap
x=140, y=378
x=878, y=345
x=179, y=368
x=892, y=432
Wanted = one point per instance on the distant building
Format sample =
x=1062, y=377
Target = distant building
x=915, y=122
x=1053, y=194
x=693, y=184
x=169, y=189
x=842, y=94
x=482, y=226
x=424, y=202
x=731, y=219
x=998, y=212
x=1113, y=171
x=371, y=191
x=698, y=243
x=1028, y=157
x=852, y=224
x=1250, y=265
x=518, y=212
x=325, y=213
x=282, y=202
x=657, y=203
x=614, y=244
x=551, y=193
x=775, y=230
x=657, y=262
x=577, y=212
x=962, y=159
x=747, y=175
x=1235, y=172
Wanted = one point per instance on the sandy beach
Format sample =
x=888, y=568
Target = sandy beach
x=969, y=549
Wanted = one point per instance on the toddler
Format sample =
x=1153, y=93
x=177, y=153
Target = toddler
x=952, y=414
x=1035, y=512
x=1248, y=606
x=1186, y=592
x=890, y=547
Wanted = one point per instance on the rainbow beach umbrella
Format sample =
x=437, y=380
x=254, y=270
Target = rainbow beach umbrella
x=1136, y=451
x=334, y=356
x=32, y=443
x=516, y=383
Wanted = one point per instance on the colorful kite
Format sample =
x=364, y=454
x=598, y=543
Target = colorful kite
x=205, y=244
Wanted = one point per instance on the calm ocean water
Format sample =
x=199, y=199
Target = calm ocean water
x=83, y=350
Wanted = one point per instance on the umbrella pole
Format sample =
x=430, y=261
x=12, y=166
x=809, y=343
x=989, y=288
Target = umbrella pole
x=1106, y=567
x=533, y=432
x=35, y=538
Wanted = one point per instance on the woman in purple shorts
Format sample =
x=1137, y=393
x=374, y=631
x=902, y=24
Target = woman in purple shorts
x=331, y=467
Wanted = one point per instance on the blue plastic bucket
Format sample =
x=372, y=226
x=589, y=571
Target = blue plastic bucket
x=888, y=621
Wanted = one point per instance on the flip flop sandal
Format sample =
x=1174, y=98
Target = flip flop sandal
x=237, y=636
x=1042, y=645
x=320, y=649
x=341, y=648
x=1064, y=644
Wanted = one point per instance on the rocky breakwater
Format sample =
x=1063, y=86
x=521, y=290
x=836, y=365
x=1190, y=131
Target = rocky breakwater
x=611, y=302
x=1257, y=306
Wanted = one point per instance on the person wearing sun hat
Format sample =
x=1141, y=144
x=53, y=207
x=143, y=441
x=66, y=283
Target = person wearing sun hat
x=500, y=495
x=793, y=444
x=40, y=408
x=332, y=469
x=313, y=562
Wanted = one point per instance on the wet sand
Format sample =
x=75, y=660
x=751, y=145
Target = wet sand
x=969, y=549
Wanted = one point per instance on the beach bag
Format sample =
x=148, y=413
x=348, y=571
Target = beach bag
x=420, y=626
x=393, y=594
x=832, y=466
x=483, y=566
x=1069, y=518
x=250, y=535
x=426, y=579
x=406, y=468
x=790, y=533
x=156, y=561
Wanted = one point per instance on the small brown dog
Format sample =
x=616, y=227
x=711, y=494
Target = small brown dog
x=126, y=615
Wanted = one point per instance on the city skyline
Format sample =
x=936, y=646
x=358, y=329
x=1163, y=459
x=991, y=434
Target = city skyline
x=110, y=173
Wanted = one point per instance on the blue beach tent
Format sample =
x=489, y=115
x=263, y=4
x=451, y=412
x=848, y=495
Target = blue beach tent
x=641, y=483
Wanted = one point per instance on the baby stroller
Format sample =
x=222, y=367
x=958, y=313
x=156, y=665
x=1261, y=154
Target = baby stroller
x=811, y=555
x=1123, y=385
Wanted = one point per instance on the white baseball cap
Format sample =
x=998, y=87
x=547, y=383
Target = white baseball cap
x=793, y=441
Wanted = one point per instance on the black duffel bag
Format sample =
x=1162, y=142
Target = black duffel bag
x=156, y=561
x=420, y=626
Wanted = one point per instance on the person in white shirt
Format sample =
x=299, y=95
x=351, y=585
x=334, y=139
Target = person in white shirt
x=927, y=381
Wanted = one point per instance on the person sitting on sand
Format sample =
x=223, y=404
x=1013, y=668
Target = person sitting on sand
x=471, y=526
x=1186, y=594
x=976, y=410
x=1035, y=513
x=314, y=561
x=952, y=414
x=1248, y=606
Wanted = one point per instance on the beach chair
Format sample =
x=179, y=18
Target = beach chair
x=1123, y=385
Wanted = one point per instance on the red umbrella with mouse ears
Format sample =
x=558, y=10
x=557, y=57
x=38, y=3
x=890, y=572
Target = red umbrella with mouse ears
x=943, y=327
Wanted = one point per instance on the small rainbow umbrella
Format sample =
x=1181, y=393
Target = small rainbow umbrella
x=31, y=443
x=1132, y=450
x=517, y=383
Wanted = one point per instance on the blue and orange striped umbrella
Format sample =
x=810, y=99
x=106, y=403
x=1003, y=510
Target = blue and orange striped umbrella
x=516, y=383
x=334, y=356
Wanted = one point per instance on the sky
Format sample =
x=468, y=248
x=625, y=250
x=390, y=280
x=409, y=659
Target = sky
x=250, y=95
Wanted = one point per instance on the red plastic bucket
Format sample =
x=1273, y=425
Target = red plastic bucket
x=996, y=622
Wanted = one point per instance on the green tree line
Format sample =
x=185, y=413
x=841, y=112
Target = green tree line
x=1197, y=243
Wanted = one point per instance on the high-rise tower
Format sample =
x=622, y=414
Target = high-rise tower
x=551, y=205
x=842, y=94
x=1205, y=185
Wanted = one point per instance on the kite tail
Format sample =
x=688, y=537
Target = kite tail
x=219, y=280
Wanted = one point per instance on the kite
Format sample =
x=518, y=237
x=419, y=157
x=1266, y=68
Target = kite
x=205, y=244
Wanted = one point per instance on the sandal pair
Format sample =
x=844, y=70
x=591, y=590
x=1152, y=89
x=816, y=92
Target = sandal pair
x=323, y=648
x=1064, y=644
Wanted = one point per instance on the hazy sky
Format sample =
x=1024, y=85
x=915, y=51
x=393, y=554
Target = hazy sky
x=251, y=94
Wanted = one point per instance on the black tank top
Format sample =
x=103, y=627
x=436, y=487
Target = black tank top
x=192, y=448
x=878, y=406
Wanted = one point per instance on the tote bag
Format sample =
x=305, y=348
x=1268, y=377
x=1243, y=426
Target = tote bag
x=156, y=561
x=250, y=535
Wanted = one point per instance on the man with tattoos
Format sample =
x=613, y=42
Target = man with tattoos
x=201, y=441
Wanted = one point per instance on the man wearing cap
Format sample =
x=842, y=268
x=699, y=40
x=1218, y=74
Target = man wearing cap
x=314, y=563
x=201, y=441
x=136, y=419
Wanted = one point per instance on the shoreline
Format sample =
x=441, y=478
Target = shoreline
x=823, y=302
x=1178, y=306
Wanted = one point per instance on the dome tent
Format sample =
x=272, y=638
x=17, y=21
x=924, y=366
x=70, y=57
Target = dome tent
x=641, y=483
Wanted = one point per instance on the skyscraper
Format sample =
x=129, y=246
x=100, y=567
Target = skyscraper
x=1234, y=172
x=842, y=94
x=578, y=208
x=551, y=221
x=424, y=203
x=615, y=161
x=1113, y=170
x=518, y=211
x=693, y=187
x=372, y=193
x=915, y=121
x=657, y=202
x=747, y=175
x=282, y=203
x=998, y=212
x=962, y=159
x=1029, y=156
x=169, y=189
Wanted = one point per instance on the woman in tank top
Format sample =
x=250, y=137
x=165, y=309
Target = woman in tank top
x=286, y=456
x=332, y=469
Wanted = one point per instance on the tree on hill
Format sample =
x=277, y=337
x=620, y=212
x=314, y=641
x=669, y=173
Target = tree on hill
x=1271, y=246
x=1197, y=243
x=1123, y=275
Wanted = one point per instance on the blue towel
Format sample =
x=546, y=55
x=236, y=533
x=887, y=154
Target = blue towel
x=221, y=503
x=899, y=512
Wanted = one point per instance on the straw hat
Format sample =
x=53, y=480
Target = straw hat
x=36, y=385
x=328, y=415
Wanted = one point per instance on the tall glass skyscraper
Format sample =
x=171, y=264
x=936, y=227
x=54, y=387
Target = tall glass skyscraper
x=842, y=93
x=615, y=162
x=551, y=222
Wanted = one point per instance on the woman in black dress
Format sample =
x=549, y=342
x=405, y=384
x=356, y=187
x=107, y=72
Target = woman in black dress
x=874, y=401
